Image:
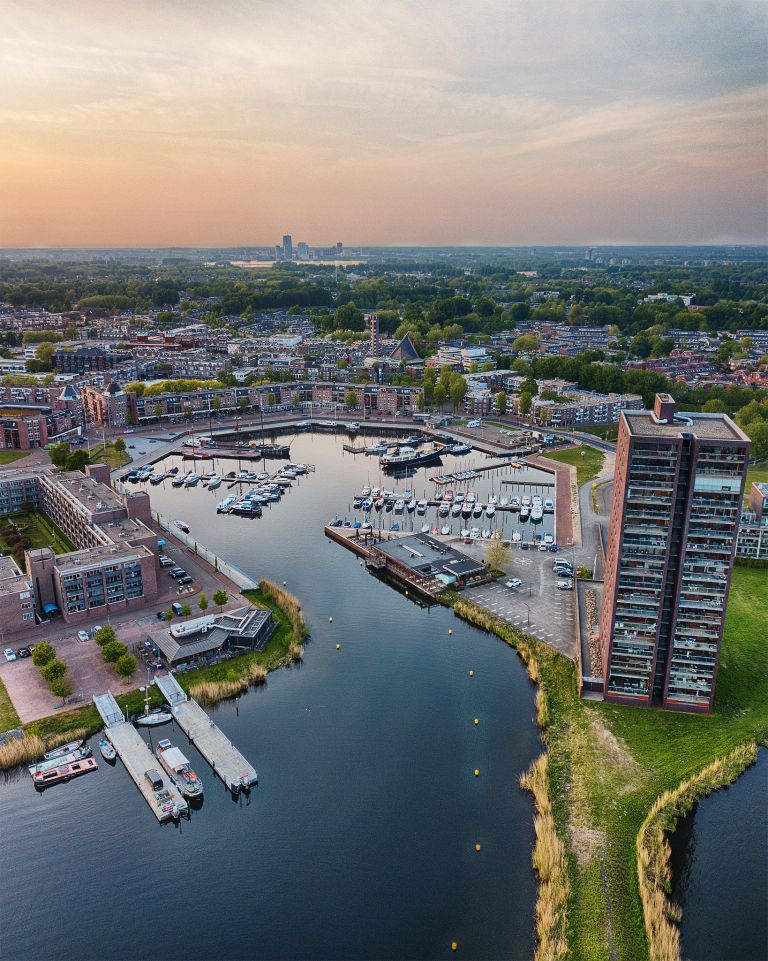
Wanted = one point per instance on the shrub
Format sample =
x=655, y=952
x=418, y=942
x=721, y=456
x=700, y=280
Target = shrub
x=105, y=635
x=112, y=651
x=54, y=670
x=61, y=687
x=186, y=610
x=202, y=602
x=125, y=665
x=43, y=653
x=220, y=598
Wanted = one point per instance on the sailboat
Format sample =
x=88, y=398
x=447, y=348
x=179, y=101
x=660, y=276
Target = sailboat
x=151, y=718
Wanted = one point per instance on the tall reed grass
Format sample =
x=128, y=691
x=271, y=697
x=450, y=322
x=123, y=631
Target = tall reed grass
x=653, y=849
x=211, y=692
x=289, y=605
x=551, y=865
x=30, y=748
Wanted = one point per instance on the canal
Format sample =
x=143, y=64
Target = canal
x=721, y=873
x=359, y=841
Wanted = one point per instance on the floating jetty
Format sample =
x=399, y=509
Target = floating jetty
x=226, y=761
x=138, y=759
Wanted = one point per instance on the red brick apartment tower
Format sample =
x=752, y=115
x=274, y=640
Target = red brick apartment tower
x=677, y=495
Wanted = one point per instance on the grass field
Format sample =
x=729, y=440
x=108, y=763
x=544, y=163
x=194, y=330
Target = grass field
x=757, y=474
x=587, y=461
x=9, y=456
x=8, y=716
x=108, y=455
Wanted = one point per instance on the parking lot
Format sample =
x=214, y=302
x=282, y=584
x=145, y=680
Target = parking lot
x=537, y=606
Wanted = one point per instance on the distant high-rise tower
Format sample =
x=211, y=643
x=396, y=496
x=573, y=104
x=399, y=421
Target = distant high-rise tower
x=287, y=247
x=374, y=327
x=339, y=250
x=588, y=253
x=675, y=512
x=302, y=250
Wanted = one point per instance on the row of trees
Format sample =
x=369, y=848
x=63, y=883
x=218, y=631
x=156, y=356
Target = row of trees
x=114, y=651
x=448, y=385
x=52, y=669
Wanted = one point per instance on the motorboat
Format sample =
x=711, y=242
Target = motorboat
x=191, y=479
x=525, y=512
x=477, y=510
x=475, y=532
x=178, y=480
x=425, y=528
x=213, y=483
x=174, y=471
x=388, y=505
x=448, y=495
x=107, y=750
x=60, y=771
x=365, y=492
x=459, y=498
x=471, y=497
x=549, y=505
x=182, y=525
x=366, y=527
x=178, y=768
x=515, y=503
x=154, y=718
x=378, y=503
x=486, y=533
x=537, y=514
x=157, y=478
x=399, y=505
x=408, y=457
x=262, y=476
x=490, y=510
x=525, y=501
x=455, y=509
x=380, y=448
x=357, y=503
x=503, y=502
x=493, y=500
x=411, y=505
x=464, y=532
x=517, y=537
x=421, y=507
x=223, y=506
x=367, y=504
x=445, y=530
x=444, y=509
x=466, y=509
x=72, y=747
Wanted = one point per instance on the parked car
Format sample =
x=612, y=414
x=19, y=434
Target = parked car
x=186, y=579
x=166, y=561
x=95, y=630
x=565, y=585
x=161, y=615
x=24, y=652
x=176, y=572
x=524, y=546
x=543, y=548
x=10, y=654
x=553, y=548
x=473, y=423
x=513, y=582
x=83, y=636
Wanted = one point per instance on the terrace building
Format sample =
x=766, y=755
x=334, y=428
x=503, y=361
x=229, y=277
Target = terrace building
x=114, y=565
x=675, y=512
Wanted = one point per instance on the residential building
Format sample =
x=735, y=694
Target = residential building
x=583, y=408
x=676, y=505
x=753, y=530
x=81, y=360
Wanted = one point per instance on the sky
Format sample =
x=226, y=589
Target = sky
x=431, y=122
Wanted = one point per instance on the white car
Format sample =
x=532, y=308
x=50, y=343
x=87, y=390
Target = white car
x=10, y=654
x=83, y=636
x=543, y=548
x=513, y=582
x=473, y=423
x=565, y=585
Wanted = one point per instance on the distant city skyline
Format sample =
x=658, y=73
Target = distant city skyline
x=500, y=124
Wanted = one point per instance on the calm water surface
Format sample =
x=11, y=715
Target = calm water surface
x=359, y=840
x=721, y=871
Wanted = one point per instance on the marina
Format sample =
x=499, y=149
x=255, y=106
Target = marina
x=163, y=797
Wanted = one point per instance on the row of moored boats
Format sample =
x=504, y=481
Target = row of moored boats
x=456, y=505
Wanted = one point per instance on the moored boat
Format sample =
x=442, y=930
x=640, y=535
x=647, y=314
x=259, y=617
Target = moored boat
x=107, y=750
x=179, y=769
x=182, y=525
x=71, y=747
x=65, y=770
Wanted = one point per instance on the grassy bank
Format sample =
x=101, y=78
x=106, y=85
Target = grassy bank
x=110, y=456
x=9, y=456
x=608, y=765
x=207, y=684
x=8, y=716
x=587, y=461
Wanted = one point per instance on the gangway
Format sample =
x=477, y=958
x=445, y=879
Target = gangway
x=171, y=690
x=109, y=709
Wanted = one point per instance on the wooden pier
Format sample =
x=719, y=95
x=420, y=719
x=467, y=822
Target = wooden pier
x=226, y=761
x=138, y=759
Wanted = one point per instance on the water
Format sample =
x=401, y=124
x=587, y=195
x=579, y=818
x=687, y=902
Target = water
x=359, y=840
x=721, y=872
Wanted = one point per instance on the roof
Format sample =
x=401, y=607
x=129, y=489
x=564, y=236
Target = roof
x=705, y=426
x=405, y=350
x=430, y=557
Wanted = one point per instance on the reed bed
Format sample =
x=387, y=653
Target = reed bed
x=653, y=849
x=31, y=747
x=289, y=605
x=207, y=693
x=551, y=865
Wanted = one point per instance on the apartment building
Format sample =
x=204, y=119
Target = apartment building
x=753, y=530
x=679, y=482
x=584, y=408
x=82, y=360
x=114, y=565
x=17, y=603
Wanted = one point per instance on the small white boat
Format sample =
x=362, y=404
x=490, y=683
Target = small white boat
x=493, y=500
x=191, y=480
x=72, y=747
x=182, y=525
x=455, y=509
x=549, y=505
x=107, y=750
x=486, y=533
x=503, y=502
x=477, y=510
x=490, y=510
x=153, y=718
x=213, y=483
x=399, y=505
x=425, y=528
x=464, y=532
x=445, y=530
x=517, y=537
x=475, y=532
x=444, y=509
x=421, y=507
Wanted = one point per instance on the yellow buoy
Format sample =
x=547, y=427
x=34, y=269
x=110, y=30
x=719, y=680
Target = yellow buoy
x=477, y=847
x=471, y=673
x=330, y=620
x=476, y=722
x=284, y=583
x=406, y=593
x=450, y=631
x=477, y=773
x=454, y=946
x=338, y=647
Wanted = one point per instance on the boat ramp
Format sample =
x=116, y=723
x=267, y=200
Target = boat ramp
x=226, y=761
x=138, y=759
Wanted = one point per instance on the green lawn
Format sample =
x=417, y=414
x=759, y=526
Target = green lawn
x=608, y=432
x=108, y=455
x=587, y=461
x=757, y=474
x=8, y=716
x=9, y=456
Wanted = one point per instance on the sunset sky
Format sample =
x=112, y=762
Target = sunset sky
x=423, y=122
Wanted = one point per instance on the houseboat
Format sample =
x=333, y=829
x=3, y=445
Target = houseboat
x=178, y=768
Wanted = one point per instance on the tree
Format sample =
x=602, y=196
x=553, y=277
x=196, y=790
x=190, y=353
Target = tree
x=105, y=635
x=43, y=653
x=110, y=652
x=714, y=406
x=525, y=344
x=158, y=410
x=458, y=391
x=220, y=598
x=202, y=602
x=54, y=669
x=119, y=445
x=125, y=665
x=59, y=455
x=78, y=459
x=497, y=555
x=271, y=399
x=350, y=399
x=501, y=401
x=439, y=395
x=757, y=431
x=187, y=413
x=186, y=610
x=169, y=614
x=243, y=404
x=61, y=687
x=216, y=405
x=525, y=403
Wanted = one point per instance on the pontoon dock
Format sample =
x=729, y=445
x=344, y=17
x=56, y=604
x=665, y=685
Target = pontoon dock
x=137, y=758
x=226, y=761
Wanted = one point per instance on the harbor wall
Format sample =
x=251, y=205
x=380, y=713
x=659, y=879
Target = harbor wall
x=243, y=580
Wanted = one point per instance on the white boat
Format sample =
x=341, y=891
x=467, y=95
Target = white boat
x=107, y=750
x=517, y=537
x=486, y=533
x=515, y=503
x=421, y=507
x=471, y=497
x=503, y=502
x=549, y=505
x=525, y=501
x=537, y=514
x=464, y=532
x=477, y=510
x=191, y=480
x=525, y=513
x=213, y=483
x=179, y=769
x=80, y=748
x=182, y=525
x=493, y=500
x=411, y=505
x=365, y=492
x=455, y=509
x=153, y=718
x=490, y=510
x=399, y=505
x=466, y=509
x=223, y=506
x=475, y=532
x=445, y=530
x=549, y=539
x=444, y=509
x=425, y=528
